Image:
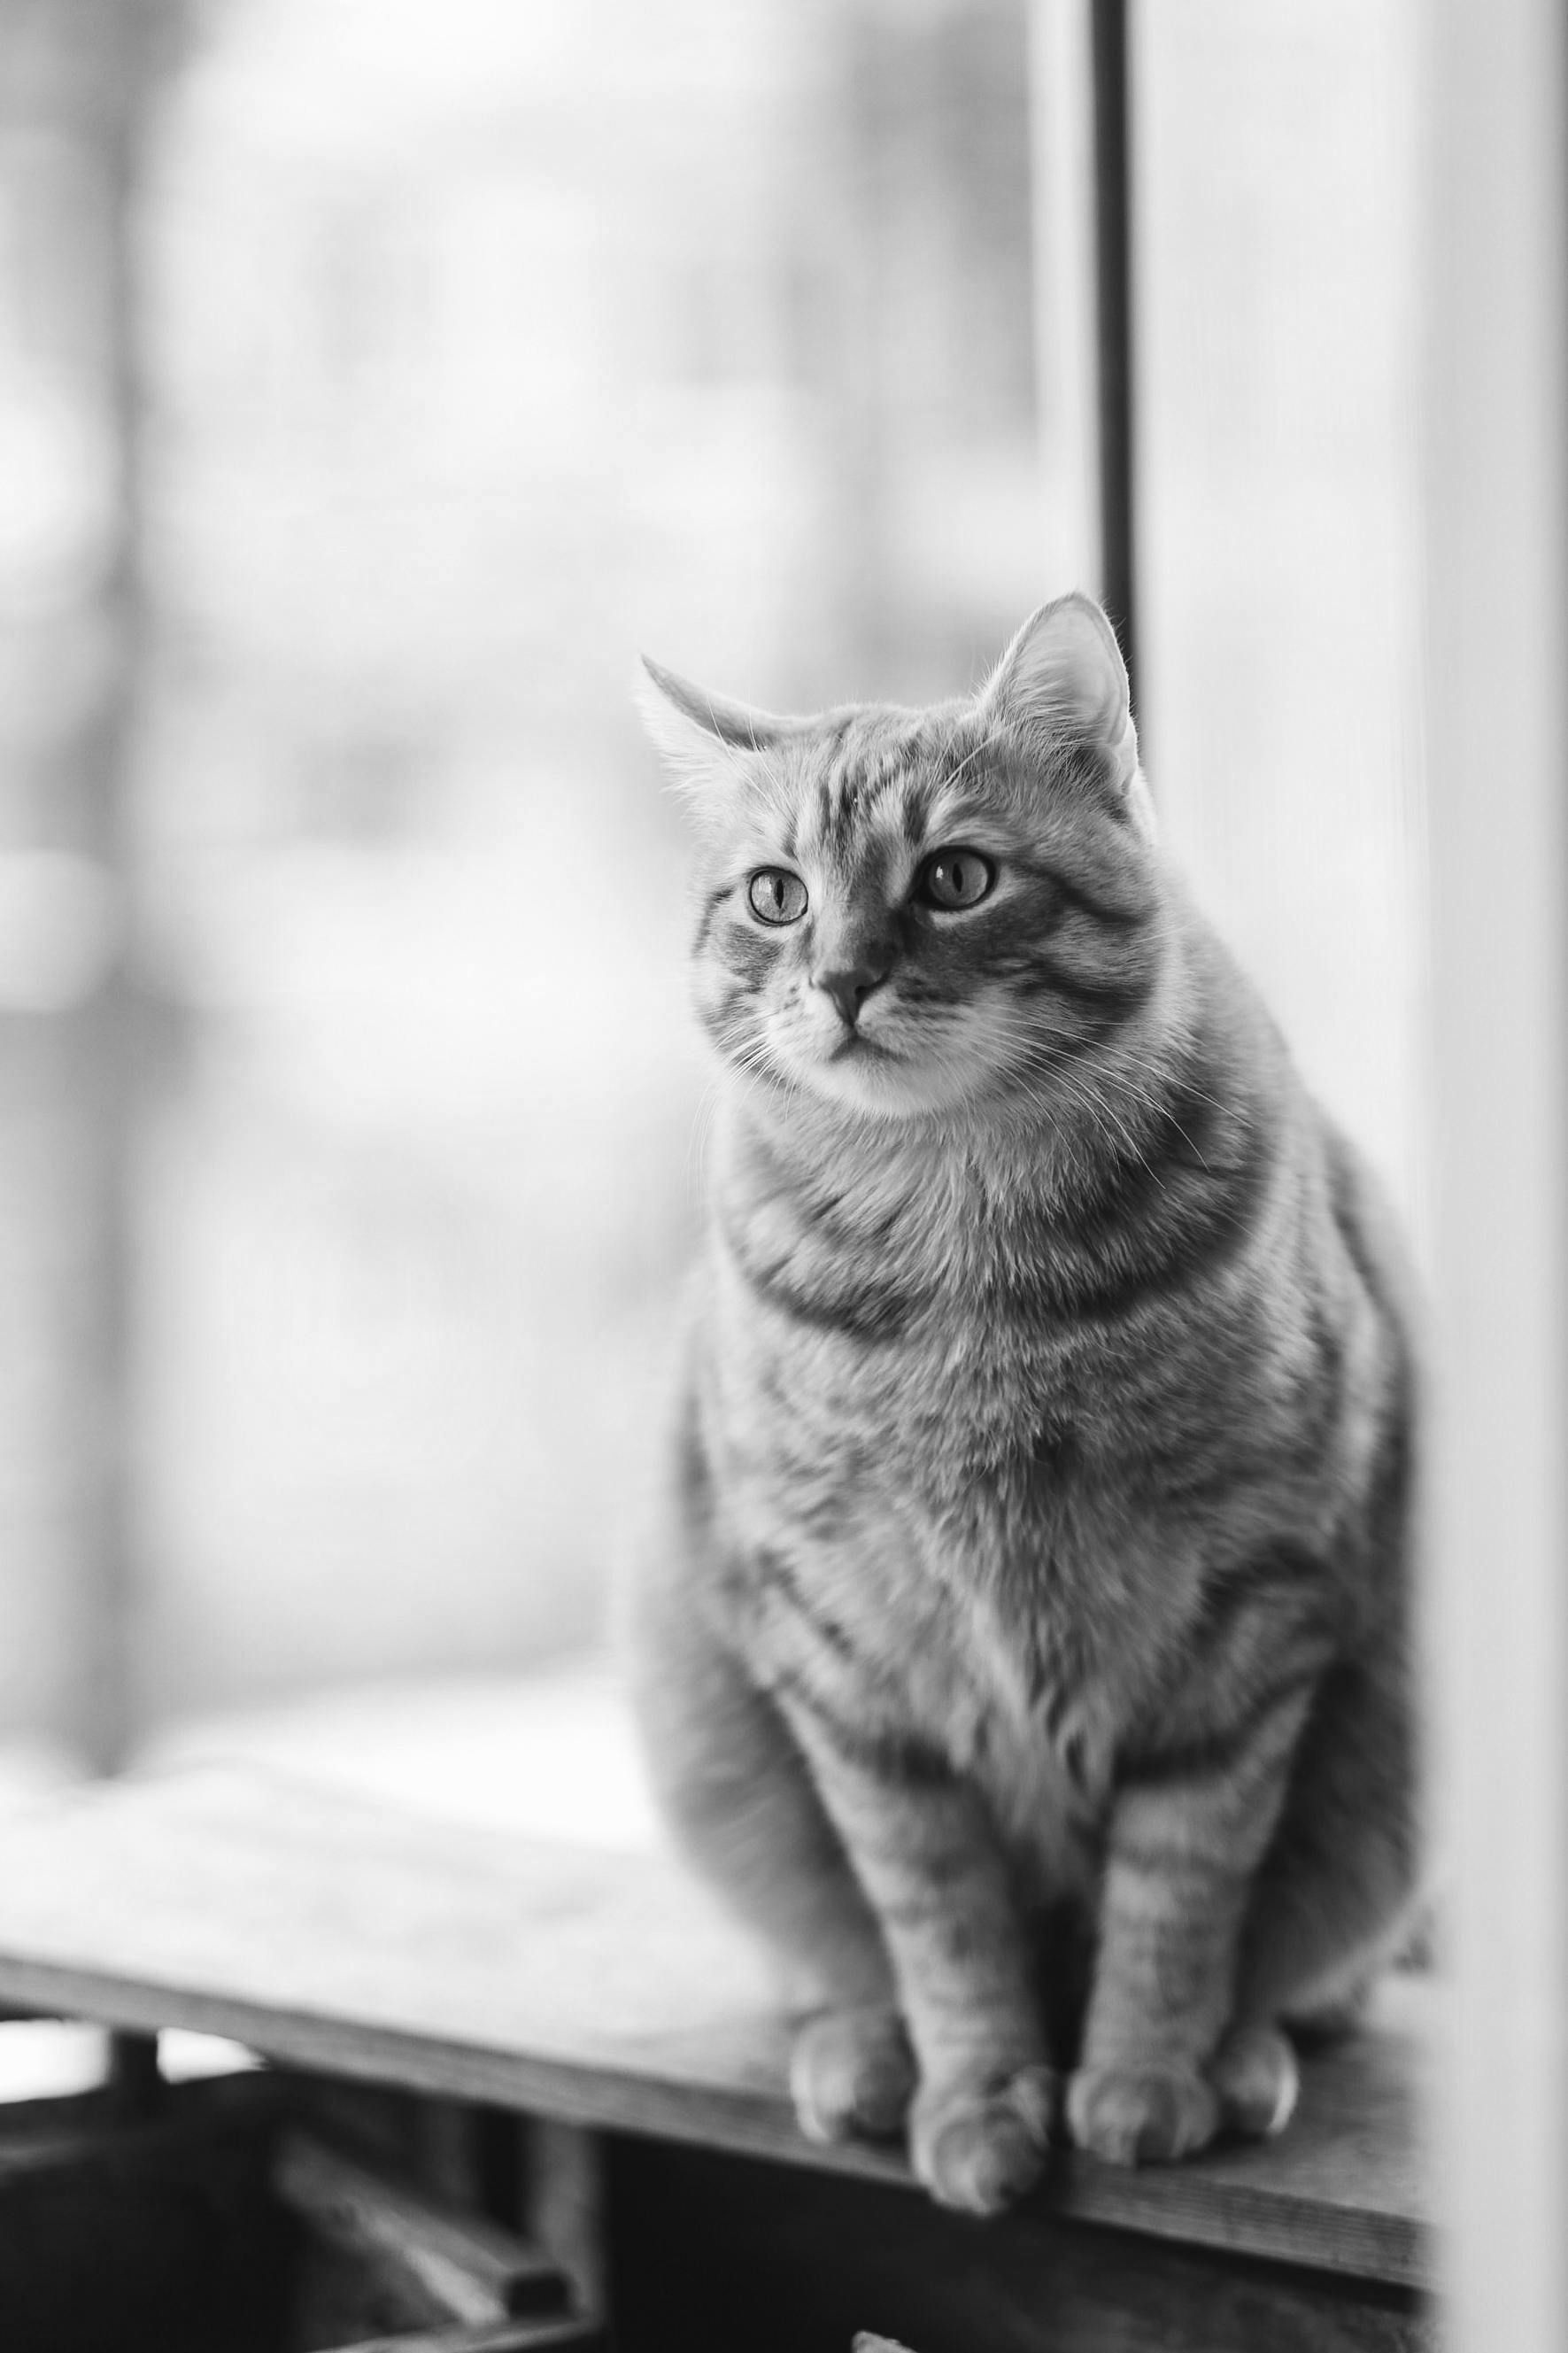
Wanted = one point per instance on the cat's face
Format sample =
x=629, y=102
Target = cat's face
x=905, y=912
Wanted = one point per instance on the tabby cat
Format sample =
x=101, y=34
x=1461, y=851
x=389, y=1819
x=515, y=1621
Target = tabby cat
x=1024, y=1648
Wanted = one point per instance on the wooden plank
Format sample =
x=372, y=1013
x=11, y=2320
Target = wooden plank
x=710, y=2254
x=599, y=1990
x=562, y=2203
x=468, y=2267
x=505, y=2337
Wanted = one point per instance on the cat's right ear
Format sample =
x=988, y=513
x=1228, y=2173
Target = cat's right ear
x=702, y=736
x=1063, y=675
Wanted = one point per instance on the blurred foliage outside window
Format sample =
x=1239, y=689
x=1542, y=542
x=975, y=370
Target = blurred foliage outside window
x=374, y=379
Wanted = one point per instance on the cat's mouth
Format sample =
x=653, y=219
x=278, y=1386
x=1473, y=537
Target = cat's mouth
x=855, y=1044
x=887, y=1077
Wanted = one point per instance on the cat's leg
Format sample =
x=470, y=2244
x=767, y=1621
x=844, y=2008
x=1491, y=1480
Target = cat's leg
x=924, y=1849
x=1189, y=1833
x=852, y=2072
x=1333, y=1899
x=1256, y=2080
x=739, y=1797
x=1338, y=1891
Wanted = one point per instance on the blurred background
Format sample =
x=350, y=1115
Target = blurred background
x=376, y=378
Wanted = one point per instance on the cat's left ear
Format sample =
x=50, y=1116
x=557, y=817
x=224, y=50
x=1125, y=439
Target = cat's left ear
x=695, y=731
x=1064, y=674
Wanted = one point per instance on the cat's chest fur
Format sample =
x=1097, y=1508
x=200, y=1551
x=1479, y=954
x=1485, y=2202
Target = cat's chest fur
x=922, y=1480
x=903, y=1335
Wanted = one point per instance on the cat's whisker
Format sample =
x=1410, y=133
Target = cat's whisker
x=1175, y=1078
x=1103, y=1120
x=1161, y=1107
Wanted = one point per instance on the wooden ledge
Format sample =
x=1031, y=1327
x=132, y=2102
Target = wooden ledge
x=605, y=1990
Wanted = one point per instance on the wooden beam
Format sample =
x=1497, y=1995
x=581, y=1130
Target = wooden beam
x=1113, y=328
x=600, y=1990
x=465, y=2266
x=1495, y=725
x=1081, y=153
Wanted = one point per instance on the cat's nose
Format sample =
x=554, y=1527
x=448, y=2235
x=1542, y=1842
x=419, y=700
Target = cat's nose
x=849, y=984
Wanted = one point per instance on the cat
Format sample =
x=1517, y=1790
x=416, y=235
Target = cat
x=1023, y=1645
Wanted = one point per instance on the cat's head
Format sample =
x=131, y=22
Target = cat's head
x=903, y=912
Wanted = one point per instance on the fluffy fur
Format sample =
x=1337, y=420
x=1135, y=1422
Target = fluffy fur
x=1023, y=1648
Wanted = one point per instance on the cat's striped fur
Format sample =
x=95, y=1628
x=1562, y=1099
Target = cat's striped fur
x=1024, y=1648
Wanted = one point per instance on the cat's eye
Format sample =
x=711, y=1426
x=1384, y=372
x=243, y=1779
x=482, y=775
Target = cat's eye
x=776, y=895
x=956, y=878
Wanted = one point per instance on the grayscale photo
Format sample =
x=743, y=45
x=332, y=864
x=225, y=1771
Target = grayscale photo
x=783, y=1177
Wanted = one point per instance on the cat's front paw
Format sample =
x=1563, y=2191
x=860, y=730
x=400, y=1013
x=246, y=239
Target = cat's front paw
x=1255, y=2074
x=852, y=2070
x=1142, y=2115
x=979, y=2149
